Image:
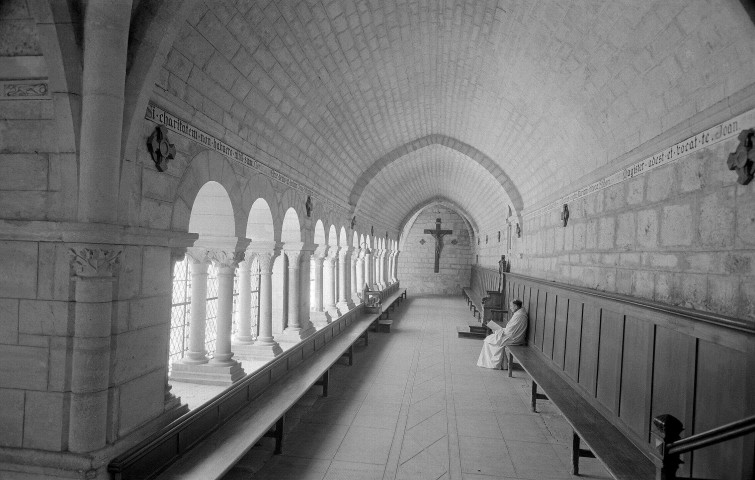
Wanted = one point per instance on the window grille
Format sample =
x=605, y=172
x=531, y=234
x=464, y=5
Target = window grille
x=180, y=314
x=180, y=317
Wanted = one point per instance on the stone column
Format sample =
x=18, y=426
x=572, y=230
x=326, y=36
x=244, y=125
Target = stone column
x=90, y=350
x=329, y=283
x=319, y=316
x=105, y=46
x=344, y=293
x=295, y=331
x=197, y=354
x=395, y=266
x=379, y=269
x=389, y=267
x=305, y=262
x=353, y=279
x=222, y=364
x=266, y=347
x=368, y=267
x=244, y=314
x=360, y=273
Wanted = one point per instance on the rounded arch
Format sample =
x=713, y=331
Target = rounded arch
x=343, y=239
x=204, y=167
x=319, y=236
x=260, y=226
x=291, y=228
x=332, y=236
x=212, y=212
x=437, y=139
x=355, y=240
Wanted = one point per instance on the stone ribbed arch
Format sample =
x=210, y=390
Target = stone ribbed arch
x=204, y=167
x=260, y=186
x=437, y=139
x=409, y=220
x=153, y=30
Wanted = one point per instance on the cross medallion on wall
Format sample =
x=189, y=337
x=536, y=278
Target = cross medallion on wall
x=438, y=234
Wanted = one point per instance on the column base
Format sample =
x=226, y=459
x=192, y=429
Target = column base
x=242, y=350
x=333, y=312
x=344, y=307
x=296, y=335
x=207, y=374
x=266, y=351
x=319, y=319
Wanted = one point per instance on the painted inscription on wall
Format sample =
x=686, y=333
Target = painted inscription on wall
x=713, y=135
x=175, y=124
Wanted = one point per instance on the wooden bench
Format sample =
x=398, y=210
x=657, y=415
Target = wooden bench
x=383, y=322
x=208, y=441
x=622, y=458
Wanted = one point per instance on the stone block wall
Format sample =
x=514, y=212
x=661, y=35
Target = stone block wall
x=683, y=234
x=417, y=260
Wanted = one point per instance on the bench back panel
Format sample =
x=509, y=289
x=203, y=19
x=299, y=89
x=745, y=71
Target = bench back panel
x=484, y=280
x=634, y=359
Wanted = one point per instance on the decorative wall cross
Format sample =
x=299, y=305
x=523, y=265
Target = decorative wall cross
x=438, y=234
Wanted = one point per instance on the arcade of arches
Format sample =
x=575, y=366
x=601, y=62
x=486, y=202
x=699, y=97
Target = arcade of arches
x=188, y=188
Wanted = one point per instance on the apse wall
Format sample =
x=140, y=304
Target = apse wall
x=417, y=261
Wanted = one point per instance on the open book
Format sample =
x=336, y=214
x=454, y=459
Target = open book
x=493, y=326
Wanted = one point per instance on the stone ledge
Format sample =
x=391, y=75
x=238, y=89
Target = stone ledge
x=72, y=232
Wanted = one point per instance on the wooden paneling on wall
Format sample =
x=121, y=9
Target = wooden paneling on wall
x=635, y=359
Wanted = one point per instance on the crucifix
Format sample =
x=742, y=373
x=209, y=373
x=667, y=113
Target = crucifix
x=438, y=234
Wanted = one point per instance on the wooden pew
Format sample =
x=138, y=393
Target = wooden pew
x=631, y=360
x=622, y=458
x=208, y=441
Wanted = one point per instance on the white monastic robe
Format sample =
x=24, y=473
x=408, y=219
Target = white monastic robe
x=514, y=333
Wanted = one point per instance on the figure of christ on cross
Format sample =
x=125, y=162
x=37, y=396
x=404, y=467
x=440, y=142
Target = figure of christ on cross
x=438, y=234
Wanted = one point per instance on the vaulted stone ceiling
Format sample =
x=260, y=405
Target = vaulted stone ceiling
x=539, y=92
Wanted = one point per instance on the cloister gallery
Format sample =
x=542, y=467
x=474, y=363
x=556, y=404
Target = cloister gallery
x=197, y=198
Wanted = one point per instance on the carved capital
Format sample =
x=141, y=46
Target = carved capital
x=197, y=255
x=225, y=258
x=293, y=259
x=94, y=262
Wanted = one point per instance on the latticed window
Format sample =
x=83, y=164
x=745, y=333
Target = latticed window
x=180, y=313
x=255, y=287
x=180, y=317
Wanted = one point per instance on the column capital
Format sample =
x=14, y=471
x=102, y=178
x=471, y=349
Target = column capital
x=94, y=261
x=293, y=258
x=198, y=254
x=343, y=251
x=321, y=251
x=225, y=258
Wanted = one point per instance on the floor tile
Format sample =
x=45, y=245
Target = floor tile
x=485, y=455
x=365, y=445
x=354, y=471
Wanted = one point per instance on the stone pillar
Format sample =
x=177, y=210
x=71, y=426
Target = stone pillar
x=344, y=293
x=244, y=314
x=379, y=255
x=395, y=265
x=319, y=316
x=90, y=358
x=105, y=45
x=368, y=267
x=295, y=331
x=266, y=347
x=305, y=263
x=353, y=278
x=329, y=283
x=222, y=364
x=197, y=354
x=389, y=268
x=360, y=273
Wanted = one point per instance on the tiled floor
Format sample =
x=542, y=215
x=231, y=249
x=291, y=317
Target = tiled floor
x=415, y=406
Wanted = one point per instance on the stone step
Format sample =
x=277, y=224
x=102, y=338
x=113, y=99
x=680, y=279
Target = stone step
x=464, y=332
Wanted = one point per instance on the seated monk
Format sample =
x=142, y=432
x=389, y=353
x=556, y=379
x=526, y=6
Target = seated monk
x=515, y=333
